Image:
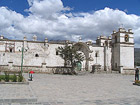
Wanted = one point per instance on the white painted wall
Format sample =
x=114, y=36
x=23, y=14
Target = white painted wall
x=32, y=48
x=99, y=59
x=127, y=56
x=122, y=54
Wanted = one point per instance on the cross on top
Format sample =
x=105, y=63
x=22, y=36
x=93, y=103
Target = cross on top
x=80, y=39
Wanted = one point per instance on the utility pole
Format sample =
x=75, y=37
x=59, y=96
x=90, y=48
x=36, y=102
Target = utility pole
x=22, y=60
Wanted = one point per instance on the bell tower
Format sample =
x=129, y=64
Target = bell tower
x=123, y=51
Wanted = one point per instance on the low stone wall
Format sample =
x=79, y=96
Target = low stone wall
x=63, y=70
x=55, y=70
x=128, y=71
x=37, y=69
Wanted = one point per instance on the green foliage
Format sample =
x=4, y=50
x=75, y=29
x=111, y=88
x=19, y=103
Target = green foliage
x=14, y=78
x=6, y=77
x=69, y=53
x=20, y=77
x=137, y=81
x=2, y=77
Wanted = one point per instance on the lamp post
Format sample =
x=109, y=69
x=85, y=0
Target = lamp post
x=22, y=60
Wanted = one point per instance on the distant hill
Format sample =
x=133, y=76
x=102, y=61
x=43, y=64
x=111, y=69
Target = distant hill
x=137, y=56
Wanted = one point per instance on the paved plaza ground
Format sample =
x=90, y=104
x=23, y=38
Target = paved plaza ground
x=86, y=89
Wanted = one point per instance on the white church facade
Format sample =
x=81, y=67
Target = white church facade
x=113, y=53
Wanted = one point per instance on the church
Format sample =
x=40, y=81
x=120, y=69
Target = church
x=112, y=53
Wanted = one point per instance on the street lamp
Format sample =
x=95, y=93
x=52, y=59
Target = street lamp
x=22, y=60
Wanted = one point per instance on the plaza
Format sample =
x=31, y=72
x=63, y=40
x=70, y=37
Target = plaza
x=82, y=89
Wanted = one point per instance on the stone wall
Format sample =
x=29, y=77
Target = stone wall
x=38, y=69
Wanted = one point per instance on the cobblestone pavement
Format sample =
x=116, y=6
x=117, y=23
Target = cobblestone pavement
x=11, y=93
x=89, y=89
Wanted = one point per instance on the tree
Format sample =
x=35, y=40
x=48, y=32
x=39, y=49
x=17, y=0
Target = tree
x=69, y=53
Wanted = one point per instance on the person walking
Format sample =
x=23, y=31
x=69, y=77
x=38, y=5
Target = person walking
x=137, y=74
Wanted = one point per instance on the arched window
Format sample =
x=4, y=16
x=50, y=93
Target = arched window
x=97, y=54
x=106, y=43
x=56, y=52
x=126, y=38
x=68, y=63
x=115, y=39
x=36, y=55
x=11, y=50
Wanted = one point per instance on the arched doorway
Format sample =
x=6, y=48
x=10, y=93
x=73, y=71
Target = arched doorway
x=79, y=66
x=84, y=49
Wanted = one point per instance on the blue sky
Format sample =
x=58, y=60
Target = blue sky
x=68, y=19
x=130, y=6
x=16, y=5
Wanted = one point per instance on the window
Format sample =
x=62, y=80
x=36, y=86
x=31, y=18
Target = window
x=56, y=52
x=36, y=55
x=126, y=38
x=68, y=63
x=97, y=54
x=11, y=50
x=106, y=43
x=115, y=39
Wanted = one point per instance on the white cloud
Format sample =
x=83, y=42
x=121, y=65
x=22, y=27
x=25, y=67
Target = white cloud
x=48, y=9
x=30, y=2
x=47, y=18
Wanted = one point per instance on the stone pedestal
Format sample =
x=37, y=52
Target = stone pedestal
x=10, y=64
x=96, y=68
x=121, y=69
x=43, y=67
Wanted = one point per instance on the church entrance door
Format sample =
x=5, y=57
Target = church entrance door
x=84, y=49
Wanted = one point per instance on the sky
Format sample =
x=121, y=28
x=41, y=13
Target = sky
x=68, y=19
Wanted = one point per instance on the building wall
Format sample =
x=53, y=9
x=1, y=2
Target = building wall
x=103, y=53
x=30, y=51
x=111, y=56
x=126, y=56
x=100, y=56
x=123, y=51
x=52, y=59
x=107, y=58
x=116, y=57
